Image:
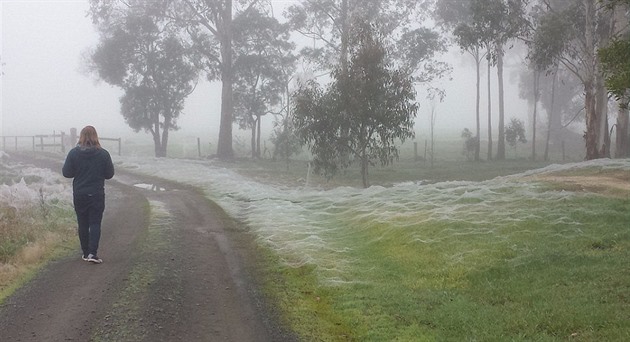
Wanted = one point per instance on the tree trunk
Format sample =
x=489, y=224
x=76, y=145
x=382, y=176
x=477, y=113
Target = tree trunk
x=343, y=61
x=432, y=132
x=601, y=108
x=364, y=171
x=224, y=147
x=489, y=115
x=478, y=100
x=622, y=148
x=592, y=121
x=164, y=144
x=155, y=131
x=156, y=144
x=345, y=34
x=252, y=141
x=621, y=142
x=550, y=114
x=258, y=120
x=501, y=138
x=536, y=95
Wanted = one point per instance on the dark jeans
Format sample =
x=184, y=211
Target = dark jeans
x=89, y=209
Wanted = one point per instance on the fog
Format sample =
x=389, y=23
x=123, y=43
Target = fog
x=44, y=88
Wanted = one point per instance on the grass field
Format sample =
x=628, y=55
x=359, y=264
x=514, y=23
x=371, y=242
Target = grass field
x=511, y=263
x=452, y=252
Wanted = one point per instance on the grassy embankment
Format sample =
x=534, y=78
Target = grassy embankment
x=535, y=261
x=30, y=234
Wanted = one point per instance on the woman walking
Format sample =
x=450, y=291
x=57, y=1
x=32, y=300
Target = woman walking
x=90, y=165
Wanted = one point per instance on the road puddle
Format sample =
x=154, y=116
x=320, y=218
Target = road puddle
x=152, y=187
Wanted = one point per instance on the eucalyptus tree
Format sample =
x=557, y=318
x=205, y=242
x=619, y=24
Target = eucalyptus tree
x=559, y=95
x=263, y=63
x=615, y=59
x=362, y=113
x=142, y=54
x=570, y=33
x=489, y=25
x=210, y=27
x=496, y=23
x=455, y=17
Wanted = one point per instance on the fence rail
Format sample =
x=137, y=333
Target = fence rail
x=46, y=142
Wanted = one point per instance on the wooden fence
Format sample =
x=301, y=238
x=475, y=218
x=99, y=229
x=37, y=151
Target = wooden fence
x=42, y=142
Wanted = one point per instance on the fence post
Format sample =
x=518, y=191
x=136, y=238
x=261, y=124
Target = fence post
x=16, y=143
x=119, y=146
x=33, y=143
x=63, y=146
x=41, y=141
x=199, y=147
x=73, y=136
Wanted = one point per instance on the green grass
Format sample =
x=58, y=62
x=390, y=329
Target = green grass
x=30, y=237
x=558, y=274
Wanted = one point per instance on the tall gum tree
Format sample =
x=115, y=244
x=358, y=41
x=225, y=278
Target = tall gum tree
x=263, y=62
x=143, y=55
x=499, y=22
x=581, y=27
x=449, y=15
x=209, y=25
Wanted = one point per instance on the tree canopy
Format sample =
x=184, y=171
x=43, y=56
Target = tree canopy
x=263, y=65
x=142, y=54
x=362, y=114
x=616, y=67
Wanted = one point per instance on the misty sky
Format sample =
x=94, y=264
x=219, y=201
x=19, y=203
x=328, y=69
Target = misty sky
x=44, y=89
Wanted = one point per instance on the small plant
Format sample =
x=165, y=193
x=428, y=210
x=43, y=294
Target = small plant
x=42, y=204
x=515, y=133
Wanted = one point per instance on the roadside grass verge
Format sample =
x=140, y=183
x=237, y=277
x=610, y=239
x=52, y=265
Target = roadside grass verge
x=28, y=240
x=33, y=227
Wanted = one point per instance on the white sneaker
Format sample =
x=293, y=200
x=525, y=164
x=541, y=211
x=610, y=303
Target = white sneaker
x=94, y=259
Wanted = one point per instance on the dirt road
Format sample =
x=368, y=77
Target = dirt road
x=175, y=269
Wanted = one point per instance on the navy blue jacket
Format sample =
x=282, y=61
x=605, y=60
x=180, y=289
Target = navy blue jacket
x=90, y=167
